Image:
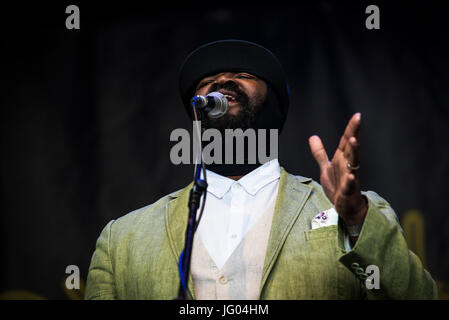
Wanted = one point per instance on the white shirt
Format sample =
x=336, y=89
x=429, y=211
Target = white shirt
x=233, y=207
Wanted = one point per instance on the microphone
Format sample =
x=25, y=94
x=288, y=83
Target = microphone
x=215, y=104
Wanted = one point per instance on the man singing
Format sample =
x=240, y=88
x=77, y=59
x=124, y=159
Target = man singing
x=264, y=233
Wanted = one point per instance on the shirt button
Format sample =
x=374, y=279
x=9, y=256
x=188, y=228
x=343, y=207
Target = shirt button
x=223, y=280
x=234, y=236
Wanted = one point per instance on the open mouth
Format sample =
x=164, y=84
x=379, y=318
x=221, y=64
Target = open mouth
x=230, y=96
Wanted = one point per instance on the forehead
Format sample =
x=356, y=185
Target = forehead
x=228, y=73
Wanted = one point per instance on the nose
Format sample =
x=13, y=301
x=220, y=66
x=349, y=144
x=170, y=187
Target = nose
x=222, y=78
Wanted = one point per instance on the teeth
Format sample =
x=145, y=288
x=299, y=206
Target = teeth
x=229, y=97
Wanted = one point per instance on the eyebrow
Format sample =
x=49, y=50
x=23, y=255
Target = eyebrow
x=216, y=75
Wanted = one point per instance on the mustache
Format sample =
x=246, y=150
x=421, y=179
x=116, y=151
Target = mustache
x=241, y=97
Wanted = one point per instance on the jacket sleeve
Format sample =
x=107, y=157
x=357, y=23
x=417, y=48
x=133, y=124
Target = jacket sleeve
x=382, y=244
x=100, y=279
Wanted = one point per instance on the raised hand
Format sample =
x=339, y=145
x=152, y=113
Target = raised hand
x=339, y=177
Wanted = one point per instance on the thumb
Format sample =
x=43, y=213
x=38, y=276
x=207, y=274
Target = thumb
x=318, y=151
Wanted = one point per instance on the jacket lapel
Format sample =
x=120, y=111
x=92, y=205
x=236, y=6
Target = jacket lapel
x=176, y=223
x=292, y=196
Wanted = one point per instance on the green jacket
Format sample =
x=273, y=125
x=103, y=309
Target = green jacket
x=136, y=256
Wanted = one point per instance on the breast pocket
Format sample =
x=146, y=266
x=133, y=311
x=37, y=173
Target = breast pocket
x=322, y=233
x=321, y=255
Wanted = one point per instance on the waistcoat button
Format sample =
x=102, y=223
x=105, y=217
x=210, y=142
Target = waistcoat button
x=223, y=280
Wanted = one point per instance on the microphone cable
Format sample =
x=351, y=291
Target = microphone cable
x=200, y=166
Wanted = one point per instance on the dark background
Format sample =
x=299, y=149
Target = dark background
x=86, y=115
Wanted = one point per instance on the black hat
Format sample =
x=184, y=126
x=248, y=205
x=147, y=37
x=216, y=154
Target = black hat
x=233, y=56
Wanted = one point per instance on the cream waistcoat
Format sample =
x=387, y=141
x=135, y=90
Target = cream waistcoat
x=240, y=277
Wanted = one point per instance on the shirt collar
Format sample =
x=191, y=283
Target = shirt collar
x=252, y=182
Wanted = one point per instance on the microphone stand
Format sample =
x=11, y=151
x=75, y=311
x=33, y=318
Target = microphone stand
x=198, y=189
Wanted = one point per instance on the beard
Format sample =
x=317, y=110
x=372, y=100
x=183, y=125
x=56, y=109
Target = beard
x=243, y=119
x=261, y=113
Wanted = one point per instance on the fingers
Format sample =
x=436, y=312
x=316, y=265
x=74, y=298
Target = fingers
x=352, y=130
x=349, y=184
x=352, y=152
x=350, y=141
x=318, y=151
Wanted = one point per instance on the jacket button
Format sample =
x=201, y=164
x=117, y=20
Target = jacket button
x=223, y=280
x=355, y=265
x=363, y=276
